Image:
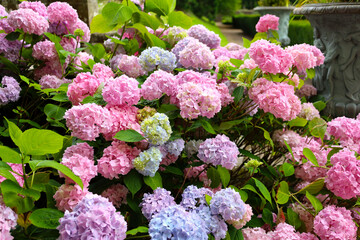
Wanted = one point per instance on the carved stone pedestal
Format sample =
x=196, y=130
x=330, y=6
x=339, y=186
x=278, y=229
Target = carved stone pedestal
x=284, y=16
x=337, y=35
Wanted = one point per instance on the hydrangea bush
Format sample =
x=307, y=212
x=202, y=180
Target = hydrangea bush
x=161, y=132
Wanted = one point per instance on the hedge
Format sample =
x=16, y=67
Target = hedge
x=300, y=30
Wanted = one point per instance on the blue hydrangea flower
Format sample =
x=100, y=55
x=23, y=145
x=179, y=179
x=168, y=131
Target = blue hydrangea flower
x=157, y=57
x=156, y=129
x=153, y=203
x=175, y=223
x=227, y=203
x=175, y=147
x=148, y=162
x=193, y=197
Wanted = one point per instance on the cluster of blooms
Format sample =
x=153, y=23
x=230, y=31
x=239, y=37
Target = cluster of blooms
x=156, y=57
x=122, y=90
x=157, y=83
x=308, y=111
x=153, y=203
x=130, y=65
x=102, y=72
x=276, y=98
x=116, y=194
x=196, y=55
x=305, y=56
x=267, y=22
x=8, y=221
x=94, y=217
x=219, y=151
x=175, y=34
x=209, y=38
x=52, y=81
x=10, y=90
x=156, y=129
x=28, y=20
x=148, y=162
x=306, y=90
x=68, y=196
x=83, y=85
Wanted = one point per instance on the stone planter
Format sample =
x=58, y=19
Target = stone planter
x=337, y=35
x=284, y=15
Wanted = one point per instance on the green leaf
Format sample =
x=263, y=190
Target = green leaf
x=25, y=79
x=9, y=186
x=235, y=234
x=46, y=218
x=224, y=175
x=293, y=218
x=317, y=127
x=164, y=108
x=267, y=137
x=314, y=187
x=38, y=164
x=238, y=94
x=267, y=216
x=319, y=105
x=298, y=122
x=230, y=124
x=133, y=182
x=12, y=36
x=208, y=199
x=100, y=24
x=9, y=155
x=54, y=112
x=17, y=203
x=246, y=42
x=5, y=172
x=236, y=62
x=40, y=141
x=147, y=20
x=314, y=202
x=160, y=7
x=15, y=133
x=310, y=156
x=9, y=65
x=112, y=12
x=288, y=169
x=283, y=193
x=129, y=135
x=154, y=41
x=214, y=176
x=310, y=73
x=126, y=13
x=206, y=125
x=332, y=152
x=263, y=189
x=137, y=230
x=173, y=170
x=132, y=46
x=249, y=154
x=97, y=50
x=179, y=19
x=153, y=182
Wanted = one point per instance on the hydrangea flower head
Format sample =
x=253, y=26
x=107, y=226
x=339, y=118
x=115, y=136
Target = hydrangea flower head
x=306, y=56
x=157, y=83
x=153, y=203
x=62, y=13
x=83, y=85
x=308, y=111
x=116, y=194
x=29, y=21
x=227, y=203
x=192, y=197
x=36, y=6
x=121, y=91
x=267, y=22
x=82, y=57
x=209, y=38
x=117, y=159
x=284, y=231
x=8, y=220
x=175, y=34
x=51, y=81
x=102, y=72
x=219, y=151
x=196, y=55
x=157, y=128
x=157, y=57
x=130, y=65
x=335, y=223
x=68, y=196
x=84, y=29
x=93, y=218
x=148, y=162
x=10, y=49
x=306, y=90
x=175, y=147
x=246, y=218
x=270, y=57
x=174, y=222
x=255, y=233
x=10, y=90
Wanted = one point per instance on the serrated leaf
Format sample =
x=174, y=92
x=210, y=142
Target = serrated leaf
x=179, y=19
x=100, y=24
x=310, y=156
x=263, y=190
x=25, y=79
x=314, y=187
x=153, y=182
x=5, y=172
x=137, y=230
x=319, y=105
x=154, y=41
x=54, y=112
x=224, y=175
x=40, y=141
x=283, y=193
x=46, y=218
x=129, y=135
x=147, y=20
x=133, y=182
x=38, y=164
x=9, y=186
x=15, y=132
x=298, y=122
x=314, y=202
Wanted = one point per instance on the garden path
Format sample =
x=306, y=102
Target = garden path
x=232, y=34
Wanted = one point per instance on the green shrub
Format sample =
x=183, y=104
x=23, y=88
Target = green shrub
x=300, y=31
x=246, y=22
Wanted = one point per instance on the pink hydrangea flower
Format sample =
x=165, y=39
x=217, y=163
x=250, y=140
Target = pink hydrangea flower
x=116, y=194
x=196, y=55
x=249, y=64
x=309, y=112
x=121, y=118
x=157, y=83
x=51, y=81
x=343, y=179
x=68, y=196
x=335, y=223
x=83, y=149
x=62, y=12
x=246, y=218
x=10, y=49
x=226, y=97
x=292, y=138
x=29, y=21
x=102, y=72
x=306, y=90
x=84, y=27
x=130, y=65
x=209, y=38
x=4, y=25
x=304, y=215
x=82, y=57
x=117, y=159
x=121, y=91
x=346, y=130
x=284, y=231
x=276, y=98
x=36, y=6
x=45, y=50
x=306, y=56
x=8, y=220
x=270, y=57
x=83, y=85
x=50, y=68
x=267, y=22
x=16, y=168
x=87, y=121
x=255, y=233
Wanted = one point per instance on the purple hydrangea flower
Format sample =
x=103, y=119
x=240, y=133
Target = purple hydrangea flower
x=152, y=204
x=93, y=218
x=193, y=197
x=209, y=38
x=219, y=151
x=174, y=223
x=10, y=90
x=157, y=57
x=175, y=147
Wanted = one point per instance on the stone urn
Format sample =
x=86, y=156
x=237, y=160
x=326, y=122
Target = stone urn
x=284, y=16
x=337, y=35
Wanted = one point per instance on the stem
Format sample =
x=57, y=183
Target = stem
x=302, y=205
x=22, y=46
x=135, y=237
x=23, y=168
